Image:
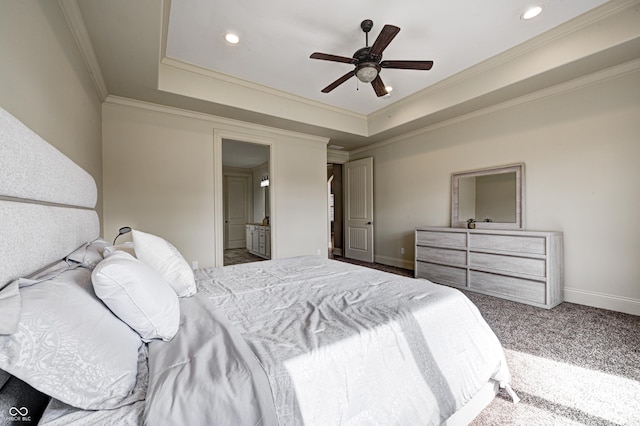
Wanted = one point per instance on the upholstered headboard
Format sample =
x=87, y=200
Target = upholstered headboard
x=46, y=202
x=46, y=212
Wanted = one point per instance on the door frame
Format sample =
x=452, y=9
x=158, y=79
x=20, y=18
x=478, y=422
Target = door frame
x=218, y=189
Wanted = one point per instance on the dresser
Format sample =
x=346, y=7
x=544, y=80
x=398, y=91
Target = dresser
x=259, y=240
x=523, y=266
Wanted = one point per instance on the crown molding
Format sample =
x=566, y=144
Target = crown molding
x=336, y=156
x=604, y=28
x=217, y=76
x=195, y=82
x=569, y=86
x=217, y=121
x=75, y=21
x=579, y=23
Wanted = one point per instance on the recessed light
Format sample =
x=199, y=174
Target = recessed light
x=532, y=12
x=232, y=38
x=389, y=89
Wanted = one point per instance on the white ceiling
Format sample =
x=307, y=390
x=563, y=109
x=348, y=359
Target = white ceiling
x=243, y=154
x=172, y=53
x=277, y=37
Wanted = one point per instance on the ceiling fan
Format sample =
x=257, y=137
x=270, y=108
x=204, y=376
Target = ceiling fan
x=368, y=60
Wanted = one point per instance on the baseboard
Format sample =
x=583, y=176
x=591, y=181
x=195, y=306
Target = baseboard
x=393, y=261
x=572, y=295
x=602, y=300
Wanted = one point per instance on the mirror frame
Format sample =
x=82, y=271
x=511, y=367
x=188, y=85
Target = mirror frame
x=520, y=197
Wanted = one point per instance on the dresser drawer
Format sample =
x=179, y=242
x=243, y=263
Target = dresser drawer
x=442, y=255
x=523, y=266
x=436, y=238
x=512, y=243
x=442, y=274
x=529, y=290
x=515, y=264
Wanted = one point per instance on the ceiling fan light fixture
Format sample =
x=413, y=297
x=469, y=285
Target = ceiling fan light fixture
x=367, y=72
x=532, y=12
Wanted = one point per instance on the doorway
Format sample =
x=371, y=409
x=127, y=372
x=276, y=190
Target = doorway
x=336, y=212
x=246, y=206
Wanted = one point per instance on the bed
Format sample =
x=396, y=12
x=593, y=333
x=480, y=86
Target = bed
x=131, y=335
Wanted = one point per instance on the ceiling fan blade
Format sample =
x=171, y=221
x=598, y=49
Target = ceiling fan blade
x=333, y=58
x=339, y=81
x=379, y=87
x=384, y=38
x=407, y=65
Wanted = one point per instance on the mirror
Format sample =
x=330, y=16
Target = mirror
x=488, y=198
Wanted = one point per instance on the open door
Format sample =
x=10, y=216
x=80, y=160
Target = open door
x=358, y=177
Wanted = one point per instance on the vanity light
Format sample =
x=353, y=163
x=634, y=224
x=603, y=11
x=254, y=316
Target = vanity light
x=532, y=12
x=232, y=38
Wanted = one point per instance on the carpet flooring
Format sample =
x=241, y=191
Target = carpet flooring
x=570, y=365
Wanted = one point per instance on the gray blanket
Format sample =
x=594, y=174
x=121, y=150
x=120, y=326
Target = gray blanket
x=206, y=375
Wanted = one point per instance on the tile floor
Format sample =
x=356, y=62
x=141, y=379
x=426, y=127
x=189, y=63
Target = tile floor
x=241, y=255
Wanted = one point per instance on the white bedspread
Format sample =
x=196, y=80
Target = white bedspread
x=348, y=345
x=339, y=344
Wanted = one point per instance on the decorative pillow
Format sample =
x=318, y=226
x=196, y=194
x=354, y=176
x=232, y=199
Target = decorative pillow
x=70, y=346
x=90, y=254
x=10, y=307
x=138, y=295
x=161, y=256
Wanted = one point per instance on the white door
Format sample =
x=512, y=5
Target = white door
x=358, y=176
x=237, y=200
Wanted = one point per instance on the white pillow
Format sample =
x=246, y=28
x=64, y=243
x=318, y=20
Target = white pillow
x=161, y=256
x=138, y=295
x=89, y=255
x=71, y=347
x=128, y=247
